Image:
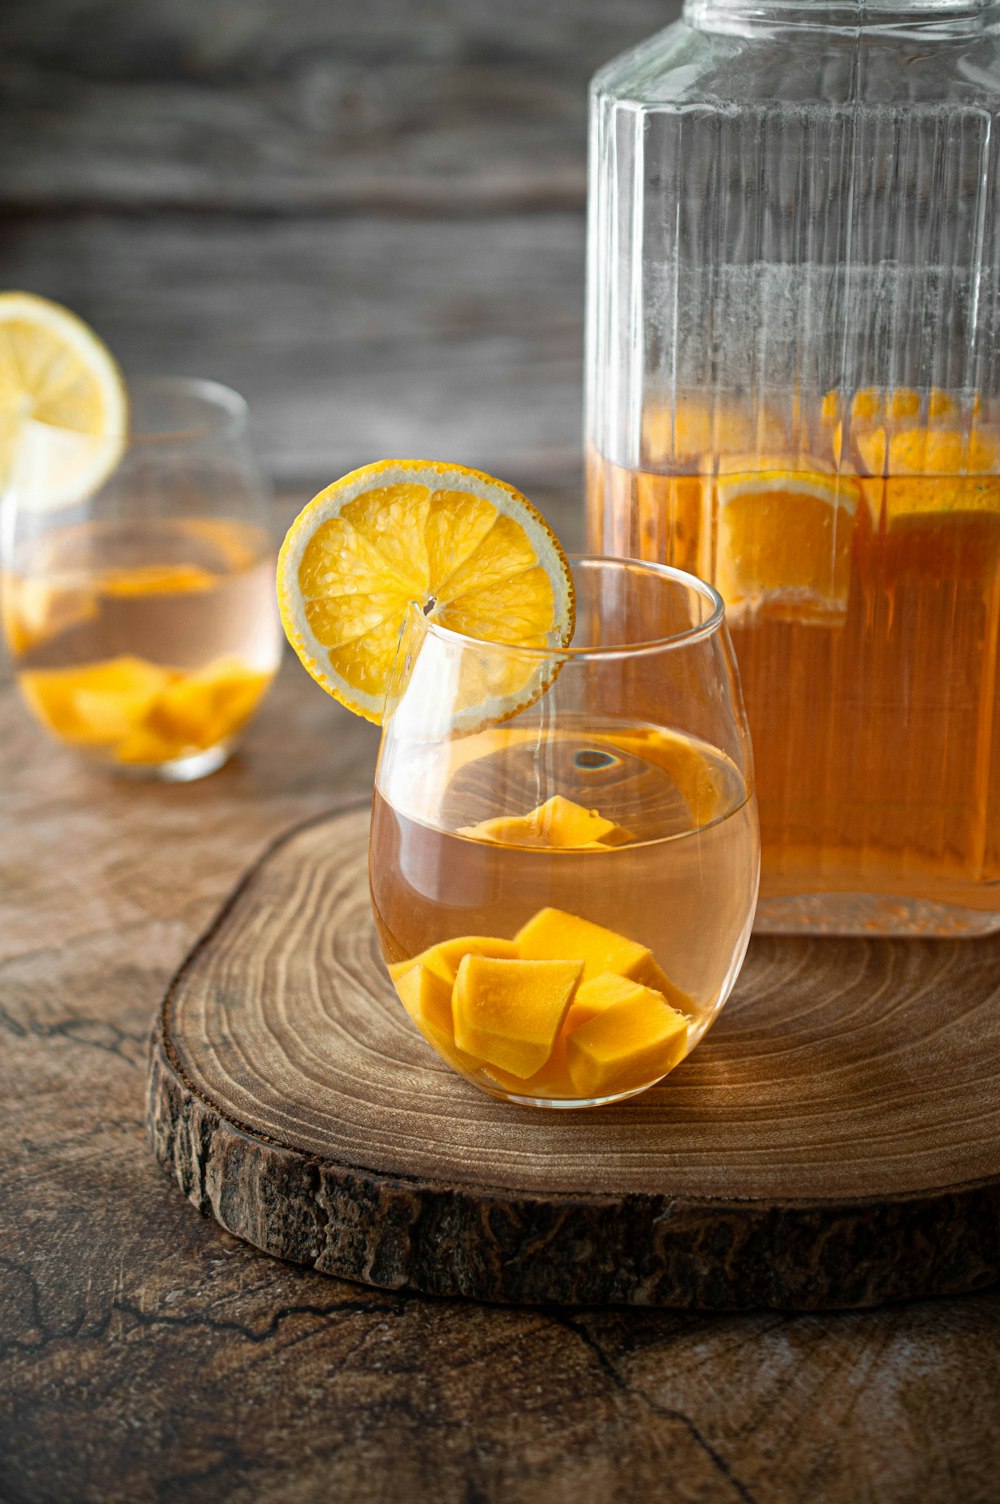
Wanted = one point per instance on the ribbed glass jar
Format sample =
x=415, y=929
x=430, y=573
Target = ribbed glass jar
x=794, y=392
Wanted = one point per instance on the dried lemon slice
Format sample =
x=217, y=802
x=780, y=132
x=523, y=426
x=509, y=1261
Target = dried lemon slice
x=470, y=550
x=63, y=406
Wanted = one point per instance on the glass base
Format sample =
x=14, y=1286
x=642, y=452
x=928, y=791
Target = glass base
x=561, y=1104
x=870, y=914
x=181, y=770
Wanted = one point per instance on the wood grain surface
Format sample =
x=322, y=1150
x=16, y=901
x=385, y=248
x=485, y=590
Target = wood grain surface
x=834, y=1142
x=351, y=339
x=210, y=183
x=145, y=1354
x=416, y=106
x=368, y=219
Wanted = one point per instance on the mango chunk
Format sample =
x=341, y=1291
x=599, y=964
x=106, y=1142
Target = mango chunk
x=599, y=993
x=443, y=959
x=626, y=1046
x=553, y=1080
x=157, y=579
x=552, y=933
x=145, y=711
x=652, y=975
x=95, y=703
x=205, y=707
x=508, y=1013
x=426, y=998
x=144, y=746
x=559, y=822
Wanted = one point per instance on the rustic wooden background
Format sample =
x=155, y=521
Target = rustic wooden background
x=368, y=216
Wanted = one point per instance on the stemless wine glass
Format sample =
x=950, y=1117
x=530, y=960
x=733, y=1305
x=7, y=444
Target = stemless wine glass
x=564, y=848
x=139, y=606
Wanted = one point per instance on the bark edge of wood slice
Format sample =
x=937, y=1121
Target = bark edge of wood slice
x=833, y=1143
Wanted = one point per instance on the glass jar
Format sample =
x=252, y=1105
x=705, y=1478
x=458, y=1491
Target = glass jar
x=794, y=392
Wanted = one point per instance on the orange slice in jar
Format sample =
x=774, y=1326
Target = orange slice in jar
x=693, y=432
x=934, y=470
x=784, y=534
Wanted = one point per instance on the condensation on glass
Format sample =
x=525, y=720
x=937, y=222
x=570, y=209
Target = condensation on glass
x=794, y=391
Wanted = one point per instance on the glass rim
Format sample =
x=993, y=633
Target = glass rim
x=225, y=411
x=913, y=19
x=666, y=572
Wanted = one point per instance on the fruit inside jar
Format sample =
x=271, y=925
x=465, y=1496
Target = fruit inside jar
x=857, y=548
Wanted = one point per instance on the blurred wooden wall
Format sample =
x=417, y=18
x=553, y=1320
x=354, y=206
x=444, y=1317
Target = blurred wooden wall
x=367, y=215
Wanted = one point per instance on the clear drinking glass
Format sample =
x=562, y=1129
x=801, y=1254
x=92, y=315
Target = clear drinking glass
x=140, y=614
x=794, y=391
x=564, y=846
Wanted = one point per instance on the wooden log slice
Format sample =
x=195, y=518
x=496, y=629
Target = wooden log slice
x=834, y=1142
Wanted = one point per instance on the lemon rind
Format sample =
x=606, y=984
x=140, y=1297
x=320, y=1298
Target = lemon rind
x=100, y=450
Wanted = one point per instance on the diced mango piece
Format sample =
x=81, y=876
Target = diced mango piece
x=553, y=1080
x=595, y=996
x=553, y=934
x=618, y=835
x=509, y=1013
x=145, y=712
x=652, y=975
x=558, y=822
x=205, y=707
x=592, y=999
x=443, y=959
x=143, y=747
x=426, y=998
x=157, y=579
x=626, y=1046
x=95, y=703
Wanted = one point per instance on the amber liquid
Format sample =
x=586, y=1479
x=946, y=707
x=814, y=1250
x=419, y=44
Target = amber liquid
x=684, y=889
x=872, y=694
x=144, y=645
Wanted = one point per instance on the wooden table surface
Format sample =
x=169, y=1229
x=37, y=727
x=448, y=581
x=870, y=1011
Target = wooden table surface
x=146, y=1354
x=370, y=219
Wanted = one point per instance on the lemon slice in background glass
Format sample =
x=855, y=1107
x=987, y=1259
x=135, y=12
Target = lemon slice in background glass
x=63, y=404
x=469, y=550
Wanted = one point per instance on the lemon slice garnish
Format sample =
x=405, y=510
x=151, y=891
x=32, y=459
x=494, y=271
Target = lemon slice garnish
x=63, y=405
